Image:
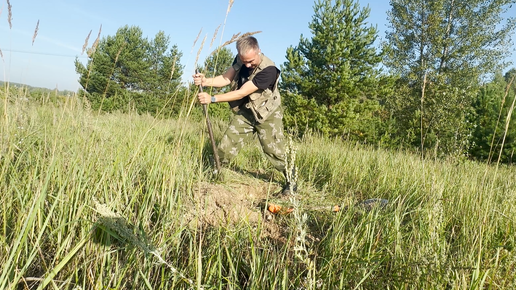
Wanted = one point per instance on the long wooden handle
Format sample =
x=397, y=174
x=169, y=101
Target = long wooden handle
x=210, y=132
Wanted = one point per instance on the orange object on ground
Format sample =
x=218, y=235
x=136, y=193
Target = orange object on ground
x=336, y=208
x=276, y=208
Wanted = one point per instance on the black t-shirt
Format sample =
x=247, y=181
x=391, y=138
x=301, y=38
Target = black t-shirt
x=266, y=79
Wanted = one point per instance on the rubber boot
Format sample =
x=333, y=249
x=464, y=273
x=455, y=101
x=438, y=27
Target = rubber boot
x=290, y=185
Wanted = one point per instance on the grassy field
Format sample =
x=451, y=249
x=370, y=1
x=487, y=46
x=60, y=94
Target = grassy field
x=122, y=201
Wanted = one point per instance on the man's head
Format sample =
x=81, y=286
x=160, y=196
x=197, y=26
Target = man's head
x=249, y=51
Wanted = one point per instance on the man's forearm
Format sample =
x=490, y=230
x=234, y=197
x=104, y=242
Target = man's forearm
x=230, y=96
x=247, y=89
x=218, y=81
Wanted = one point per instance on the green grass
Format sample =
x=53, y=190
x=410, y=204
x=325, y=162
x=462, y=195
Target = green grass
x=106, y=201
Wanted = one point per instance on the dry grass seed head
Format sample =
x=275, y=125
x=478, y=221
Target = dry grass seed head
x=230, y=4
x=234, y=38
x=173, y=67
x=199, y=52
x=10, y=14
x=95, y=44
x=35, y=32
x=90, y=52
x=250, y=33
x=197, y=38
x=214, y=35
x=86, y=42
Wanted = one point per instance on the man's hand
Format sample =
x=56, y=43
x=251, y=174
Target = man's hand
x=199, y=78
x=204, y=98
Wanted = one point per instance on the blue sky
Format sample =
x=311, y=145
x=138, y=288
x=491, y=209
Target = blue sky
x=64, y=26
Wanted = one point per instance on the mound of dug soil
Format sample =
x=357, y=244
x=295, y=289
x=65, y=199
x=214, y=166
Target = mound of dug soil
x=237, y=202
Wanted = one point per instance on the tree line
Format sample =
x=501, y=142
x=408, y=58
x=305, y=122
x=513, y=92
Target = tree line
x=435, y=84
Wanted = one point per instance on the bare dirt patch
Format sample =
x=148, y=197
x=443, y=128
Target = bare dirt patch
x=240, y=200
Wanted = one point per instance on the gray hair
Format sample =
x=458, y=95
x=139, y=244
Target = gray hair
x=246, y=44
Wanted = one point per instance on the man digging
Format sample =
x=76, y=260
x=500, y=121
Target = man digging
x=255, y=99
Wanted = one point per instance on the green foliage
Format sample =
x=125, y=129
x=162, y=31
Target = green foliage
x=128, y=70
x=442, y=50
x=492, y=107
x=330, y=83
x=217, y=64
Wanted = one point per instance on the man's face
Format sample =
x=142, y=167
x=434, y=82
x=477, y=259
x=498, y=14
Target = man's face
x=251, y=59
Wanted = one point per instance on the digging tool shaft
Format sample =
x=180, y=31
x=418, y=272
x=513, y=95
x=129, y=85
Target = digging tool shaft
x=210, y=131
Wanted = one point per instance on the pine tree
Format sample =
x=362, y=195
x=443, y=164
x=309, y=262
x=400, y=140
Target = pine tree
x=128, y=71
x=217, y=64
x=330, y=81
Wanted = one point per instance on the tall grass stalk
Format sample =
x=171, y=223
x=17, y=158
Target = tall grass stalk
x=491, y=152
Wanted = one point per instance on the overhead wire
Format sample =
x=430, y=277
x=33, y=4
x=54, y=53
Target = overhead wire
x=44, y=53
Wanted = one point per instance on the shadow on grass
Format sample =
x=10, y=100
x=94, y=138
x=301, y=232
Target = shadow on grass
x=111, y=225
x=114, y=230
